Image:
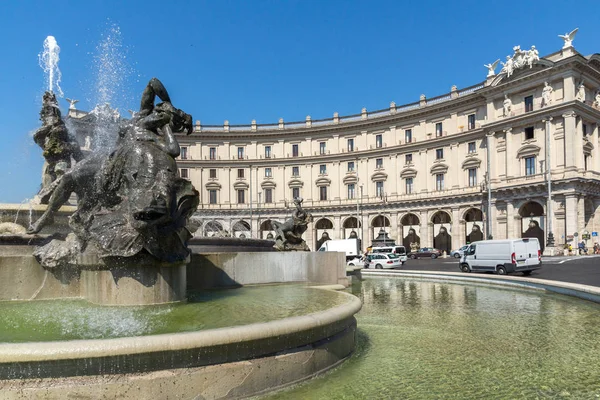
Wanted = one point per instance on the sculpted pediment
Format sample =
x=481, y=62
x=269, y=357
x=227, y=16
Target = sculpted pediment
x=528, y=150
x=350, y=178
x=440, y=168
x=379, y=176
x=268, y=185
x=295, y=183
x=473, y=162
x=323, y=181
x=408, y=173
x=213, y=186
x=240, y=185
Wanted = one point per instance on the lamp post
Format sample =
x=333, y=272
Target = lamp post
x=258, y=230
x=549, y=211
x=362, y=232
x=488, y=176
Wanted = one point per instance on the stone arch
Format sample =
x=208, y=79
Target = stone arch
x=266, y=230
x=410, y=219
x=380, y=221
x=241, y=229
x=214, y=228
x=351, y=224
x=323, y=229
x=533, y=221
x=441, y=217
x=411, y=231
x=473, y=218
x=442, y=227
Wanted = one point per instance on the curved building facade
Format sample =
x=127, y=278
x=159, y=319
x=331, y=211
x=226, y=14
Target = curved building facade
x=473, y=163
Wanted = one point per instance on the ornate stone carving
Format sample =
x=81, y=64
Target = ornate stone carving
x=547, y=94
x=491, y=68
x=520, y=59
x=288, y=235
x=506, y=106
x=580, y=95
x=568, y=38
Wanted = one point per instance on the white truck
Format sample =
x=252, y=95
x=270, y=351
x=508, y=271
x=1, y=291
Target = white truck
x=503, y=256
x=351, y=247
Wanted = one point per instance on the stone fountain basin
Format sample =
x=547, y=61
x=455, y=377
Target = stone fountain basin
x=218, y=363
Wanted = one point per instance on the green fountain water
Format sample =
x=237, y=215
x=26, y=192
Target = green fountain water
x=429, y=340
x=77, y=319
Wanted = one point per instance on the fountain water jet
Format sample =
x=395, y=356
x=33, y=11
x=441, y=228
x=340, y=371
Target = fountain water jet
x=48, y=60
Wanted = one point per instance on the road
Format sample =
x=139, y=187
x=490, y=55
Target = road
x=584, y=270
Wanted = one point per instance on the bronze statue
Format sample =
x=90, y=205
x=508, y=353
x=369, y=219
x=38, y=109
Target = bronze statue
x=288, y=235
x=130, y=200
x=443, y=241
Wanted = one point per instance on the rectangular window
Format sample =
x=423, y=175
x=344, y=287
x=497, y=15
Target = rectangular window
x=184, y=173
x=471, y=121
x=183, y=154
x=212, y=153
x=409, y=185
x=322, y=169
x=322, y=147
x=268, y=172
x=350, y=145
x=323, y=193
x=295, y=171
x=241, y=196
x=378, y=141
x=240, y=153
x=408, y=136
x=379, y=189
x=408, y=159
x=212, y=173
x=295, y=193
x=379, y=163
x=268, y=195
x=351, y=191
x=350, y=166
x=294, y=150
x=212, y=196
x=529, y=165
x=240, y=173
x=528, y=103
x=438, y=129
x=472, y=147
x=439, y=182
x=439, y=154
x=472, y=177
x=267, y=151
x=529, y=133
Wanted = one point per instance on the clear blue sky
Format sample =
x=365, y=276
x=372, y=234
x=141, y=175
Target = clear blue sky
x=263, y=60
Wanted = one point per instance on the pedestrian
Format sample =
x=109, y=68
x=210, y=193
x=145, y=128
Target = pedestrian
x=596, y=248
x=570, y=249
x=582, y=248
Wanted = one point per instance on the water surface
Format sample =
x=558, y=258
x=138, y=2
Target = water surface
x=429, y=340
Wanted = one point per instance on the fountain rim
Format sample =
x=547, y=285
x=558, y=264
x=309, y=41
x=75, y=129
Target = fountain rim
x=96, y=348
x=585, y=292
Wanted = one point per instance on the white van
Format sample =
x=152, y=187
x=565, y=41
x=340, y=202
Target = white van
x=400, y=251
x=503, y=256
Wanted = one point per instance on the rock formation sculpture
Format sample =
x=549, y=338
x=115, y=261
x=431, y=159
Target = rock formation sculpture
x=288, y=235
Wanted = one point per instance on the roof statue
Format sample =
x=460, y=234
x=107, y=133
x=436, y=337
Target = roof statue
x=520, y=59
x=568, y=38
x=491, y=68
x=72, y=103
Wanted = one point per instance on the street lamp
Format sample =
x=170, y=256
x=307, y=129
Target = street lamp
x=258, y=230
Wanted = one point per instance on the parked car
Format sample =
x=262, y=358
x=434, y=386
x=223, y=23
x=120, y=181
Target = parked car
x=503, y=256
x=400, y=251
x=425, y=252
x=354, y=261
x=381, y=260
x=460, y=252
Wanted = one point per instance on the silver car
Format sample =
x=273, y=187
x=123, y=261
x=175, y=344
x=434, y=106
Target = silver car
x=460, y=252
x=381, y=260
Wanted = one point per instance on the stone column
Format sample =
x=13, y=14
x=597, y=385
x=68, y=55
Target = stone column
x=491, y=154
x=571, y=136
x=510, y=155
x=571, y=214
x=510, y=220
x=340, y=229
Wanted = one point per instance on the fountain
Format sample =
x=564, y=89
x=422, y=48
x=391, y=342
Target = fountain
x=126, y=245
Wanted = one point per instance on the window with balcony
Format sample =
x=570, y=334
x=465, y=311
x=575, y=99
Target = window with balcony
x=350, y=145
x=408, y=136
x=212, y=173
x=379, y=163
x=183, y=153
x=295, y=171
x=240, y=173
x=528, y=103
x=529, y=133
x=295, y=193
x=267, y=151
x=184, y=173
x=294, y=150
x=351, y=191
x=322, y=169
x=240, y=152
x=530, y=165
x=322, y=147
x=472, y=147
x=439, y=154
x=268, y=172
x=378, y=141
x=472, y=176
x=212, y=196
x=439, y=129
x=323, y=193
x=379, y=189
x=350, y=166
x=268, y=195
x=408, y=159
x=409, y=185
x=212, y=152
x=471, y=121
x=241, y=196
x=439, y=182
